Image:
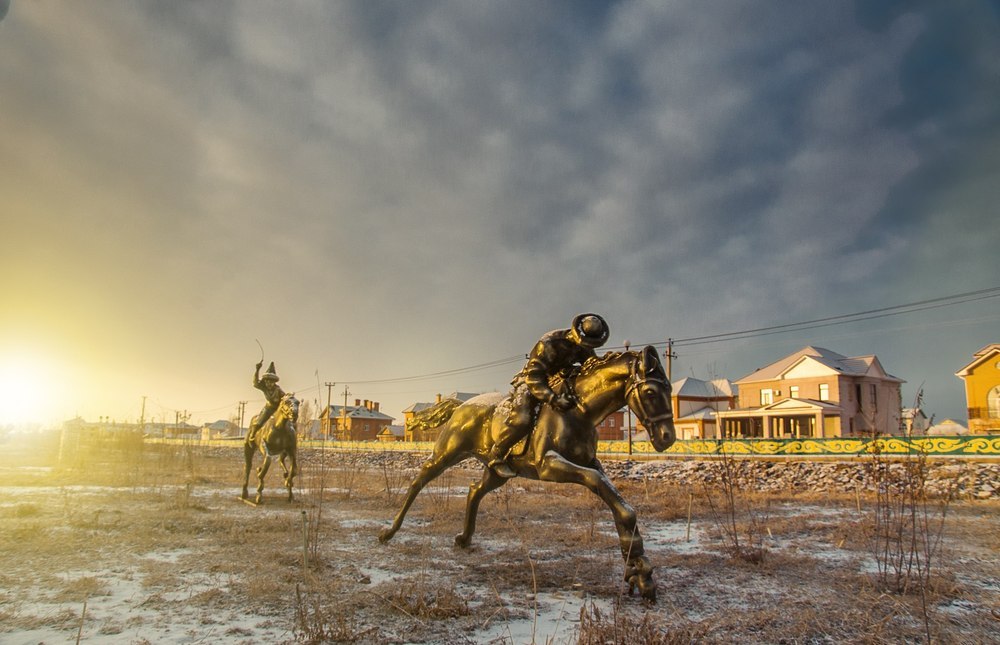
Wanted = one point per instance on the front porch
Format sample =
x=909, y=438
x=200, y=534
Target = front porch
x=786, y=419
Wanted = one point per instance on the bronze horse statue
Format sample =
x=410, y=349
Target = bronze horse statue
x=562, y=447
x=276, y=438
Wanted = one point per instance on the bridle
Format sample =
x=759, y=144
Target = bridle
x=634, y=383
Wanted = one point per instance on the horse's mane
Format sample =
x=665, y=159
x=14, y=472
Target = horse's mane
x=589, y=366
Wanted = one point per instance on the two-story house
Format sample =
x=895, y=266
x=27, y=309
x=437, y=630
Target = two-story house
x=695, y=403
x=982, y=389
x=815, y=392
x=359, y=422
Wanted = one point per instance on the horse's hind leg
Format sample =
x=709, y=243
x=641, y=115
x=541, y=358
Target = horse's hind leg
x=477, y=491
x=248, y=451
x=429, y=471
x=261, y=473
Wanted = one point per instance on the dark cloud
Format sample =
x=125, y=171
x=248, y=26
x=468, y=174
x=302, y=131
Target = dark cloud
x=397, y=188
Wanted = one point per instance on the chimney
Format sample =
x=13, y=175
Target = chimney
x=375, y=403
x=437, y=399
x=368, y=405
x=357, y=403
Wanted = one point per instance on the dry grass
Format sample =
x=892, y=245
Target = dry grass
x=152, y=538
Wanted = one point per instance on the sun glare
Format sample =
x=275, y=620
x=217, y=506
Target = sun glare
x=23, y=384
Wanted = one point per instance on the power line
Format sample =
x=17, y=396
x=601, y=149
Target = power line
x=828, y=321
x=871, y=314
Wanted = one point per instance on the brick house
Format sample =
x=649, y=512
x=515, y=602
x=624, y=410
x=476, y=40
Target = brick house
x=982, y=389
x=359, y=422
x=612, y=428
x=815, y=392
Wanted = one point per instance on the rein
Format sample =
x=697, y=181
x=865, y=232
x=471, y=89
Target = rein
x=635, y=383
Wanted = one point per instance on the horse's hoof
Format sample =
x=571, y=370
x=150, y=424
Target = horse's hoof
x=461, y=541
x=385, y=535
x=259, y=500
x=647, y=589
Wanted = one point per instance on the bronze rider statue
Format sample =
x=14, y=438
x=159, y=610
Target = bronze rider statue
x=268, y=384
x=557, y=352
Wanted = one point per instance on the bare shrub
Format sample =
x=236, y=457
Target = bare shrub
x=319, y=622
x=624, y=628
x=740, y=521
x=904, y=526
x=422, y=597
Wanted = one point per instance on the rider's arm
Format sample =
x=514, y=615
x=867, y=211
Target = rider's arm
x=536, y=373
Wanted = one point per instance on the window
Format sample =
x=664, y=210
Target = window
x=766, y=396
x=793, y=391
x=611, y=422
x=993, y=403
x=873, y=390
x=824, y=392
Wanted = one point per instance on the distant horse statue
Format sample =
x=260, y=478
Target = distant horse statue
x=276, y=438
x=562, y=447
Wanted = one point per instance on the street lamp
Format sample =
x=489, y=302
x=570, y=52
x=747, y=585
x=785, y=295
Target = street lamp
x=628, y=410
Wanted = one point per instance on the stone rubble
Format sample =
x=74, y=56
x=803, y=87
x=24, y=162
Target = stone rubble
x=958, y=479
x=941, y=477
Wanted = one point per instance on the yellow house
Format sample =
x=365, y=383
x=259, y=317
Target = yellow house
x=982, y=389
x=815, y=392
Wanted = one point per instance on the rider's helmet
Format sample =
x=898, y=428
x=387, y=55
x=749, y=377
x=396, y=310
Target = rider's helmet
x=589, y=330
x=270, y=374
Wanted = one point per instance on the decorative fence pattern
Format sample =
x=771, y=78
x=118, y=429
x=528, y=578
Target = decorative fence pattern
x=966, y=446
x=988, y=445
x=954, y=446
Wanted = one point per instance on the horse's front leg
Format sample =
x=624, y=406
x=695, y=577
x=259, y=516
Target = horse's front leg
x=289, y=473
x=261, y=472
x=638, y=571
x=248, y=451
x=434, y=466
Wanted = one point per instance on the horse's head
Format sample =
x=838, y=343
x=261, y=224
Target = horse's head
x=648, y=395
x=289, y=407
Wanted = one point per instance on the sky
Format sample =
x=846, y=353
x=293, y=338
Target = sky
x=400, y=198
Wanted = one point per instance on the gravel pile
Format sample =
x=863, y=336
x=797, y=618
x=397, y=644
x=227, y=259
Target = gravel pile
x=961, y=479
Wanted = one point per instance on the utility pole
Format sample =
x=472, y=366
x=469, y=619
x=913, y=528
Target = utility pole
x=326, y=431
x=243, y=407
x=344, y=412
x=142, y=416
x=670, y=356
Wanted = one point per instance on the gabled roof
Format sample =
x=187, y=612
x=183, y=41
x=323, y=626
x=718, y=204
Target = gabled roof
x=706, y=413
x=354, y=412
x=423, y=405
x=824, y=359
x=981, y=357
x=697, y=388
x=801, y=404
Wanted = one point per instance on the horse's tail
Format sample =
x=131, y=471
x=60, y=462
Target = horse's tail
x=434, y=416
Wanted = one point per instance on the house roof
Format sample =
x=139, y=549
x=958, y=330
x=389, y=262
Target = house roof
x=981, y=357
x=697, y=388
x=423, y=405
x=354, y=412
x=702, y=414
x=826, y=359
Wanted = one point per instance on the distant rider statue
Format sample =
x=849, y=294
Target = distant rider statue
x=268, y=384
x=557, y=352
